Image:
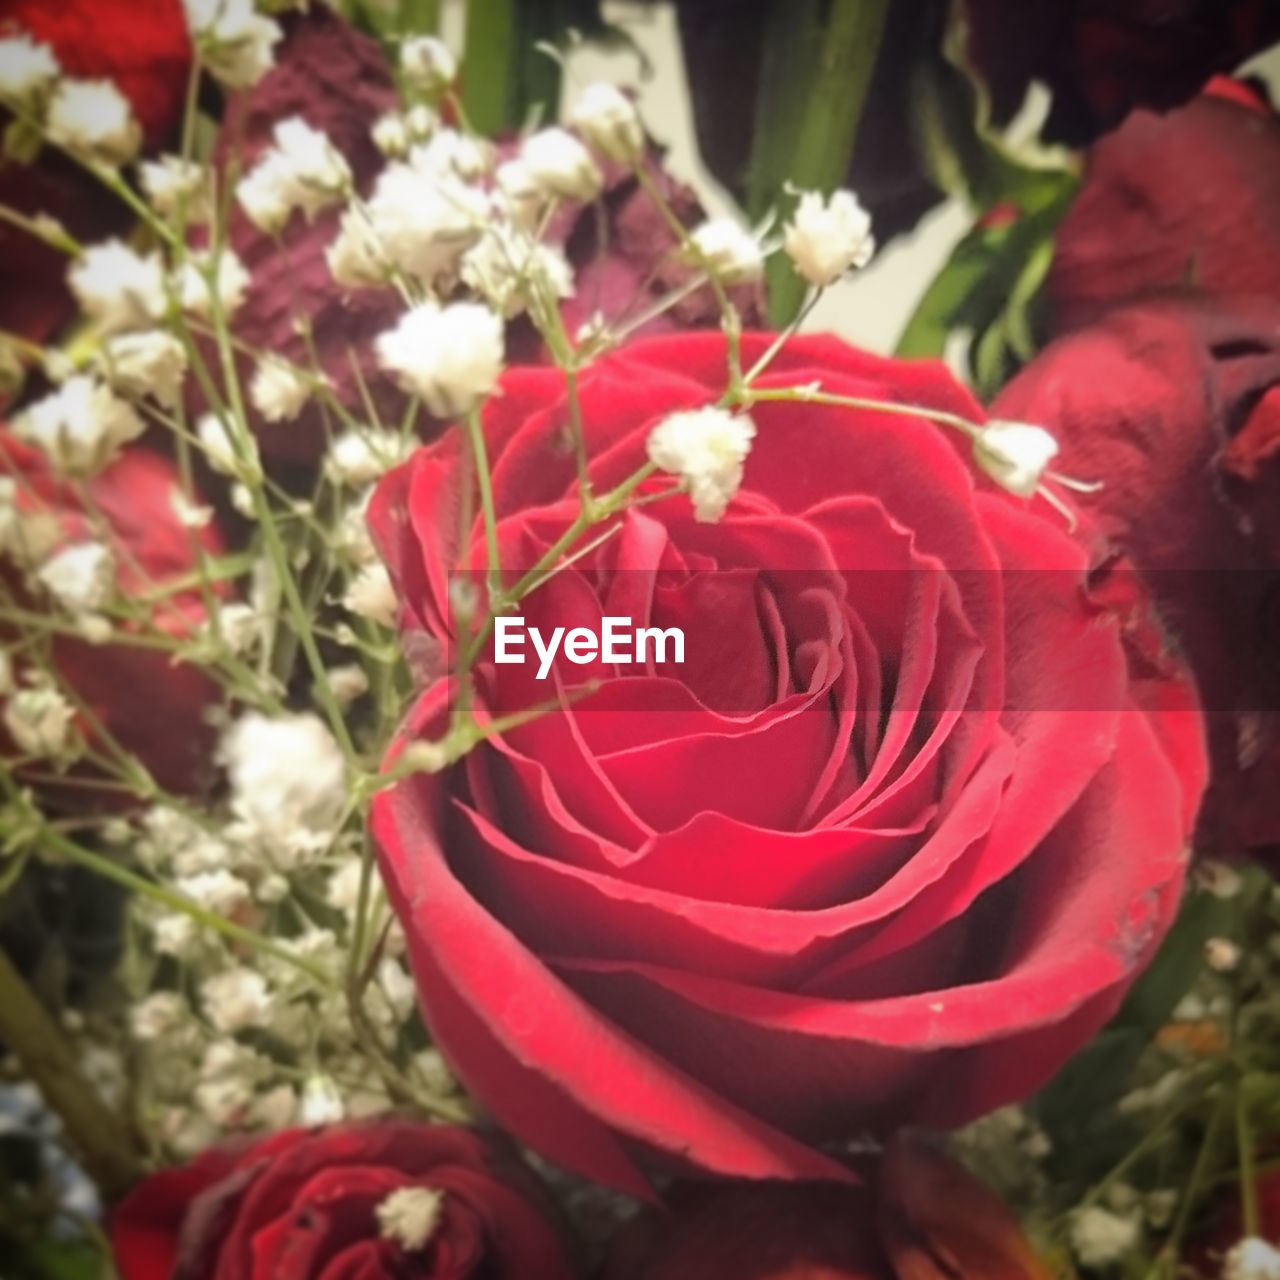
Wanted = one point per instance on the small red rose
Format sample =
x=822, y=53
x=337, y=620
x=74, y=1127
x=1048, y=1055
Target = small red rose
x=890, y=844
x=371, y=1201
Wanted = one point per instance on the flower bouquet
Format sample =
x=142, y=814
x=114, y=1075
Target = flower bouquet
x=525, y=755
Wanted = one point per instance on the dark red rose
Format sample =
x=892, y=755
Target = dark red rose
x=153, y=706
x=1225, y=1227
x=923, y=1217
x=1103, y=59
x=304, y=1205
x=891, y=844
x=1173, y=406
x=1188, y=200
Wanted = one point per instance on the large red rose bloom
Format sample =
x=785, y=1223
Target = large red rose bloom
x=890, y=844
x=303, y=1205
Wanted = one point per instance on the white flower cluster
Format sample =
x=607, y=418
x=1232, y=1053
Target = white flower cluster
x=706, y=448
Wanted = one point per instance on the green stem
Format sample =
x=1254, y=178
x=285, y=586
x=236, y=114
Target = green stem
x=1249, y=1210
x=104, y=1142
x=819, y=159
x=475, y=438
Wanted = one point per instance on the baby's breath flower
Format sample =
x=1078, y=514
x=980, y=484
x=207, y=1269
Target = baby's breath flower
x=427, y=64
x=240, y=625
x=27, y=69
x=355, y=257
x=372, y=595
x=303, y=170
x=276, y=1108
x=153, y=364
x=93, y=120
x=1222, y=955
x=321, y=1102
x=347, y=683
x=263, y=193
x=236, y=999
x=391, y=135
x=727, y=251
x=507, y=270
x=607, y=119
x=235, y=41
x=343, y=891
x=826, y=238
x=561, y=165
x=6, y=674
x=175, y=934
x=220, y=450
x=1100, y=1238
x=119, y=288
x=193, y=286
x=279, y=390
x=41, y=722
x=171, y=183
x=421, y=223
x=360, y=457
x=1252, y=1259
x=706, y=448
x=81, y=577
x=519, y=193
x=158, y=1015
x=409, y=1216
x=450, y=356
x=450, y=154
x=1015, y=455
x=80, y=427
x=218, y=891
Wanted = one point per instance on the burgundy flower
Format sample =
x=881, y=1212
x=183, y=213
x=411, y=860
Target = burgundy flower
x=153, y=706
x=1175, y=407
x=922, y=1217
x=382, y=1199
x=1103, y=59
x=891, y=844
x=1188, y=200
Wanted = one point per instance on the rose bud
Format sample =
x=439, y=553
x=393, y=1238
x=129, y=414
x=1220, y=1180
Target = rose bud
x=1187, y=200
x=977, y=840
x=55, y=552
x=1172, y=406
x=384, y=1198
x=1102, y=62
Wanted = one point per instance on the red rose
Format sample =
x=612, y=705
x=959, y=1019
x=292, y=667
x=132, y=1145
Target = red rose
x=891, y=844
x=151, y=705
x=1225, y=1228
x=1175, y=407
x=384, y=1198
x=1104, y=60
x=922, y=1218
x=1191, y=199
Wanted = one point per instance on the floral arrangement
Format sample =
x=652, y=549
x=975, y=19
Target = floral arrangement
x=905, y=909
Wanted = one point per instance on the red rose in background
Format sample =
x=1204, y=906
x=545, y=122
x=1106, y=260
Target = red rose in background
x=923, y=1217
x=891, y=844
x=1188, y=200
x=1225, y=1228
x=141, y=45
x=1104, y=58
x=1175, y=407
x=154, y=707
x=355, y=1202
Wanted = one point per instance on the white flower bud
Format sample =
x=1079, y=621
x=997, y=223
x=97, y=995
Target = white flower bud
x=828, y=237
x=726, y=251
x=409, y=1216
x=235, y=42
x=321, y=1102
x=81, y=577
x=93, y=120
x=1252, y=1259
x=279, y=391
x=509, y=270
x=1222, y=955
x=359, y=458
x=157, y=1016
x=1015, y=455
x=218, y=891
x=347, y=683
x=427, y=64
x=302, y=171
x=391, y=135
x=153, y=364
x=608, y=121
x=450, y=356
x=172, y=183
x=220, y=450
x=1100, y=1238
x=355, y=257
x=236, y=999
x=119, y=288
x=561, y=165
x=27, y=69
x=371, y=594
x=41, y=722
x=706, y=448
x=193, y=287
x=80, y=427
